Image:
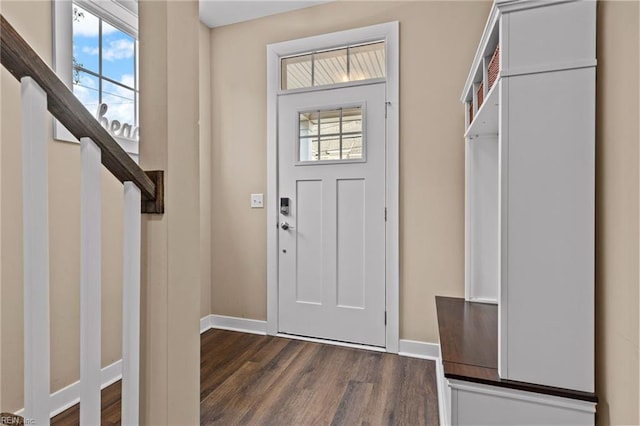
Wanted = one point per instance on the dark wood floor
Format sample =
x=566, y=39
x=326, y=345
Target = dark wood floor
x=260, y=380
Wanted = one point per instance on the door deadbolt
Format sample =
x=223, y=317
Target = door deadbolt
x=284, y=205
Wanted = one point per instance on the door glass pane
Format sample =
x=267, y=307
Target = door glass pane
x=352, y=147
x=352, y=120
x=309, y=149
x=296, y=72
x=330, y=67
x=330, y=147
x=308, y=123
x=367, y=61
x=330, y=122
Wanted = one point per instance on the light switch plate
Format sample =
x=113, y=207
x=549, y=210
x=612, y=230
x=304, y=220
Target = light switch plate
x=257, y=201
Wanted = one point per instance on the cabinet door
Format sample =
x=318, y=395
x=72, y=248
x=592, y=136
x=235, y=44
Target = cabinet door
x=547, y=305
x=474, y=404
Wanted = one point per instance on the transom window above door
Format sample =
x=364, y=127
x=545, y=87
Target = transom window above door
x=331, y=135
x=341, y=65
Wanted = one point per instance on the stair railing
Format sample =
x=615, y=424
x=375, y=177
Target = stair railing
x=42, y=90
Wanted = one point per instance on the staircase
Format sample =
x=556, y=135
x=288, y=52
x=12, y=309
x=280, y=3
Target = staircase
x=43, y=91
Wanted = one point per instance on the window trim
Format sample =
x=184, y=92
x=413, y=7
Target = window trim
x=115, y=12
x=122, y=14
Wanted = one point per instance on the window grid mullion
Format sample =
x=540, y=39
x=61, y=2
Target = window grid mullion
x=329, y=135
x=86, y=71
x=99, y=61
x=319, y=145
x=135, y=83
x=313, y=71
x=348, y=71
x=341, y=110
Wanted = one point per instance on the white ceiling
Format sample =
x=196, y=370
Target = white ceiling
x=215, y=13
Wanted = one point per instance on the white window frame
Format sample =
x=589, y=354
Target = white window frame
x=389, y=32
x=123, y=14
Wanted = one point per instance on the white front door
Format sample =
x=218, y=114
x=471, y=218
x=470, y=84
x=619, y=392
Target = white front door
x=331, y=148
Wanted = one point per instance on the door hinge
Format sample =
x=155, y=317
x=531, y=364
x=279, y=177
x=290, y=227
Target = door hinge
x=385, y=214
x=385, y=317
x=386, y=106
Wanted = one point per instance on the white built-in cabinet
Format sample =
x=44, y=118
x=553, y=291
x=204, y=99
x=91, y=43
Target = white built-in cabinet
x=529, y=237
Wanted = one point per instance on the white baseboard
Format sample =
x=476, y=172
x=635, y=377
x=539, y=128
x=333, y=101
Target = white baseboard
x=69, y=396
x=415, y=349
x=234, y=324
x=205, y=323
x=441, y=382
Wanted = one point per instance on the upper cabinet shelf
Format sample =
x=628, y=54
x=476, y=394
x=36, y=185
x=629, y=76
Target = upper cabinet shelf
x=480, y=87
x=485, y=120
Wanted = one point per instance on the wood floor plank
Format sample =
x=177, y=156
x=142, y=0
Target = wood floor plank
x=380, y=407
x=262, y=380
x=235, y=398
x=328, y=379
x=352, y=409
x=278, y=397
x=222, y=356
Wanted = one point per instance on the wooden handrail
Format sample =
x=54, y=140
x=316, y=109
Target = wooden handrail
x=22, y=61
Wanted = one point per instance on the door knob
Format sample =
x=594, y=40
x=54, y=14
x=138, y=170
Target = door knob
x=285, y=226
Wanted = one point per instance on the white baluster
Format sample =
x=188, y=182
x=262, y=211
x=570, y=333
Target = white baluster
x=131, y=306
x=90, y=279
x=36, y=252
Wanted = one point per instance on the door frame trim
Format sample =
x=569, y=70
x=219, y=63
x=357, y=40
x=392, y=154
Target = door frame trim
x=390, y=33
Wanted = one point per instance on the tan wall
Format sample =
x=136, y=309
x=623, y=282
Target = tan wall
x=205, y=169
x=33, y=20
x=1, y=345
x=617, y=196
x=432, y=167
x=170, y=270
x=432, y=73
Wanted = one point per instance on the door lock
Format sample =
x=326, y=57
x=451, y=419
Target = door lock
x=285, y=226
x=284, y=206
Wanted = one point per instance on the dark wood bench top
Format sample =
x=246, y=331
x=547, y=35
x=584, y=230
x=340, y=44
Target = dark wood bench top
x=469, y=347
